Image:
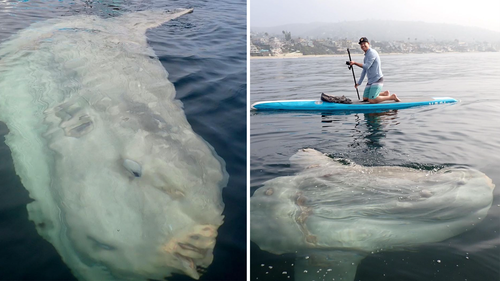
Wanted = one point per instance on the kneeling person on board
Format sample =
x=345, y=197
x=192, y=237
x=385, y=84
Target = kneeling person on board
x=373, y=70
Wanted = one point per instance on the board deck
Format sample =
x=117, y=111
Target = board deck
x=358, y=106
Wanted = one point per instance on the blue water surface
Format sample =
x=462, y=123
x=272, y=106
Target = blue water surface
x=205, y=55
x=466, y=133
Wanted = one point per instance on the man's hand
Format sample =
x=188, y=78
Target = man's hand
x=351, y=63
x=356, y=85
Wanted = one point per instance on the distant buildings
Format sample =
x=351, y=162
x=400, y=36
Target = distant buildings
x=262, y=44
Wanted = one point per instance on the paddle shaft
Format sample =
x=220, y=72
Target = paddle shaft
x=353, y=77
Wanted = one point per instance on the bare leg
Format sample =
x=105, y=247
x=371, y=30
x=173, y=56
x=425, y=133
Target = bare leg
x=380, y=98
x=385, y=93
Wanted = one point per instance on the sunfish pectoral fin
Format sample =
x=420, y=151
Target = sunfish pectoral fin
x=144, y=20
x=42, y=223
x=328, y=265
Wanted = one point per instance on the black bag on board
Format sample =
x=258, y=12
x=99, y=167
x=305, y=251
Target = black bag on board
x=328, y=98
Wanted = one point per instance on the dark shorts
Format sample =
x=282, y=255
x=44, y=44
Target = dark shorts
x=373, y=90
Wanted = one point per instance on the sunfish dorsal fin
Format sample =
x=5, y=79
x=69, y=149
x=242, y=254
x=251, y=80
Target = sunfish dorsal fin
x=144, y=20
x=308, y=157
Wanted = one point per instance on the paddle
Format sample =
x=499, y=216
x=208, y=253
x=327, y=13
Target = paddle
x=351, y=68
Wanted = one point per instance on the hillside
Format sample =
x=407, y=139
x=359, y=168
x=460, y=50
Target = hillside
x=381, y=30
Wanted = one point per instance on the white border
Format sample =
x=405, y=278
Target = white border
x=248, y=140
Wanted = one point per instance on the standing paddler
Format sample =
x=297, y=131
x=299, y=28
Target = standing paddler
x=372, y=68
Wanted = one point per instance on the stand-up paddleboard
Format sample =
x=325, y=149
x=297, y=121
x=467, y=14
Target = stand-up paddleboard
x=355, y=106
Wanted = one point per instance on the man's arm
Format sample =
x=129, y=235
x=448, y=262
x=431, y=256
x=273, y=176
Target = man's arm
x=369, y=59
x=356, y=64
x=361, y=77
x=363, y=73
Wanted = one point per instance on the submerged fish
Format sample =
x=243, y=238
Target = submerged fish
x=122, y=186
x=333, y=215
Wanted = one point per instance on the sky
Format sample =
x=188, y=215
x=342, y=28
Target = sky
x=477, y=13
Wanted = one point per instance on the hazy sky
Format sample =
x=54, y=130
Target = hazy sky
x=479, y=13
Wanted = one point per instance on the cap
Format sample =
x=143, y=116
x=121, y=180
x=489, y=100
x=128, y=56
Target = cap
x=363, y=39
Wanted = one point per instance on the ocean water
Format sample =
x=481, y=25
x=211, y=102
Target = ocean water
x=466, y=133
x=205, y=55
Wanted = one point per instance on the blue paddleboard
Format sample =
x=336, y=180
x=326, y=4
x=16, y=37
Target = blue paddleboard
x=356, y=106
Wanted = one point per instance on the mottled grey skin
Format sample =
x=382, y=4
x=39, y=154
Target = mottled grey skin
x=336, y=214
x=122, y=186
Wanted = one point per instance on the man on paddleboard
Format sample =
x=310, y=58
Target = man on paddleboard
x=372, y=68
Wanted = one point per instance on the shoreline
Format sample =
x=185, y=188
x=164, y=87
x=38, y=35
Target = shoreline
x=295, y=56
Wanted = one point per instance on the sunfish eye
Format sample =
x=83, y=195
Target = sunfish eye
x=133, y=167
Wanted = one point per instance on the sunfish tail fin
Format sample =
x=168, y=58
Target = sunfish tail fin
x=144, y=20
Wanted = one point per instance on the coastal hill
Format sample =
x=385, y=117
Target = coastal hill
x=384, y=30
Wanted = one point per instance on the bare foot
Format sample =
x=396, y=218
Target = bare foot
x=394, y=97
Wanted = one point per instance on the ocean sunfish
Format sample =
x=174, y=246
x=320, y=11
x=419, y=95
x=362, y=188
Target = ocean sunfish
x=333, y=215
x=122, y=186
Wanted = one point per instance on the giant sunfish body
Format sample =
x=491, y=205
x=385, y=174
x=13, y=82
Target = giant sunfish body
x=333, y=215
x=122, y=186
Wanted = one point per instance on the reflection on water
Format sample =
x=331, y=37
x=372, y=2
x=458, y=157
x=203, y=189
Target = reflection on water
x=369, y=131
x=376, y=123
